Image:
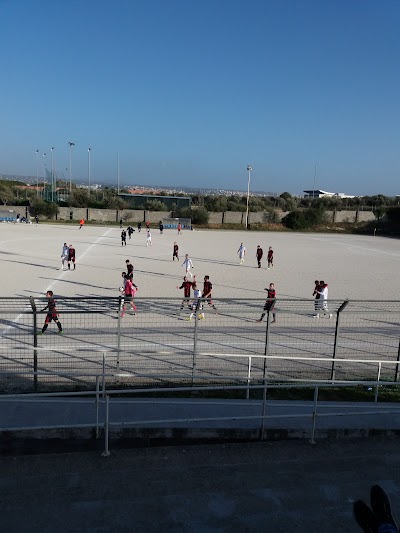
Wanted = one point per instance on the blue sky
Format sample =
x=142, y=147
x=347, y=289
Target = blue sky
x=190, y=92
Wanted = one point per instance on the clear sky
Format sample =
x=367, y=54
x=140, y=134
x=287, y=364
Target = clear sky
x=189, y=92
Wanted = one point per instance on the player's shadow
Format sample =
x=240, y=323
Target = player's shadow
x=28, y=263
x=217, y=262
x=79, y=283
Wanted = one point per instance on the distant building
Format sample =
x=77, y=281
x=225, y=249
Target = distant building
x=171, y=202
x=317, y=193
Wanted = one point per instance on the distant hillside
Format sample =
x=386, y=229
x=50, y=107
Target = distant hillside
x=11, y=183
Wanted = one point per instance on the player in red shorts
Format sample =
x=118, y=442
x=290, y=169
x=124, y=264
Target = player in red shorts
x=51, y=313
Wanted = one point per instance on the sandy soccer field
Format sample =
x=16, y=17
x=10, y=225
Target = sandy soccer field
x=355, y=267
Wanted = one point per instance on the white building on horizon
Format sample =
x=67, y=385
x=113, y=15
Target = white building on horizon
x=318, y=193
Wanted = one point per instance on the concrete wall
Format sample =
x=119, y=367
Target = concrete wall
x=229, y=217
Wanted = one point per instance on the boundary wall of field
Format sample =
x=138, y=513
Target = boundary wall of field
x=227, y=217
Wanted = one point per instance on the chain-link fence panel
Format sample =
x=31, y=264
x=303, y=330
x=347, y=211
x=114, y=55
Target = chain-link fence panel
x=166, y=341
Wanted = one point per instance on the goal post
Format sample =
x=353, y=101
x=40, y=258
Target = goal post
x=172, y=223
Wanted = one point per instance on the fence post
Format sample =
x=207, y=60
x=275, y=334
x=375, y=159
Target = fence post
x=106, y=452
x=314, y=415
x=120, y=304
x=104, y=375
x=196, y=320
x=341, y=308
x=378, y=378
x=248, y=378
x=264, y=409
x=35, y=360
x=266, y=347
x=97, y=406
x=396, y=373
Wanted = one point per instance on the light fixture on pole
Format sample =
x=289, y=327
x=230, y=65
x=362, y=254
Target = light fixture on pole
x=89, y=150
x=70, y=144
x=52, y=175
x=249, y=169
x=37, y=172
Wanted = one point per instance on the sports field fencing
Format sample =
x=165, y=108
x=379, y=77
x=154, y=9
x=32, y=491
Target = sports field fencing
x=160, y=346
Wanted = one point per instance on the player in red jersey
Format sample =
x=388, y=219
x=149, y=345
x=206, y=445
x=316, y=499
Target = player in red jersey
x=269, y=304
x=270, y=258
x=186, y=286
x=71, y=257
x=51, y=313
x=207, y=289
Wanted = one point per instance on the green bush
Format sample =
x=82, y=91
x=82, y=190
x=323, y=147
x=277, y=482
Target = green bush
x=305, y=219
x=47, y=209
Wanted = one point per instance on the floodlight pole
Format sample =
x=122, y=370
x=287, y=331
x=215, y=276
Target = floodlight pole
x=37, y=172
x=52, y=174
x=70, y=144
x=117, y=173
x=249, y=169
x=89, y=150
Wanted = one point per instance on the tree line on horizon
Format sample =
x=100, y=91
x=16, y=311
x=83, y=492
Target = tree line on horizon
x=303, y=212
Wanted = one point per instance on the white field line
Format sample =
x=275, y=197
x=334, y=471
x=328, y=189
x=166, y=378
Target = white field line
x=363, y=248
x=58, y=278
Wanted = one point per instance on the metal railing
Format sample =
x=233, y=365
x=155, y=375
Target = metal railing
x=104, y=396
x=159, y=340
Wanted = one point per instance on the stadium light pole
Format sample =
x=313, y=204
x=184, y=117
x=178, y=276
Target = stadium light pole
x=117, y=173
x=70, y=144
x=37, y=172
x=249, y=169
x=52, y=174
x=89, y=150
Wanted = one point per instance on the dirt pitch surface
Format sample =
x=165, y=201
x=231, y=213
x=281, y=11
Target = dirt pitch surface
x=355, y=267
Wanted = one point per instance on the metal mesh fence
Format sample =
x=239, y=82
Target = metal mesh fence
x=164, y=343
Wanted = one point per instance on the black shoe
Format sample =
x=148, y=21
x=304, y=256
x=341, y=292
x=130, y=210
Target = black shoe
x=381, y=506
x=365, y=517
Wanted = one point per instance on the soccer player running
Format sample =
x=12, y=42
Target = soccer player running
x=71, y=257
x=186, y=286
x=207, y=289
x=175, y=252
x=270, y=303
x=259, y=254
x=188, y=265
x=51, y=313
x=270, y=258
x=242, y=253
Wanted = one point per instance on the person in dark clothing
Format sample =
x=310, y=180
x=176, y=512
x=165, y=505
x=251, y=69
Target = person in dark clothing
x=270, y=303
x=123, y=237
x=51, y=313
x=175, y=252
x=71, y=257
x=139, y=227
x=186, y=286
x=259, y=254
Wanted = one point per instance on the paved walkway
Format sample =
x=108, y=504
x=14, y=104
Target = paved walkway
x=257, y=487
